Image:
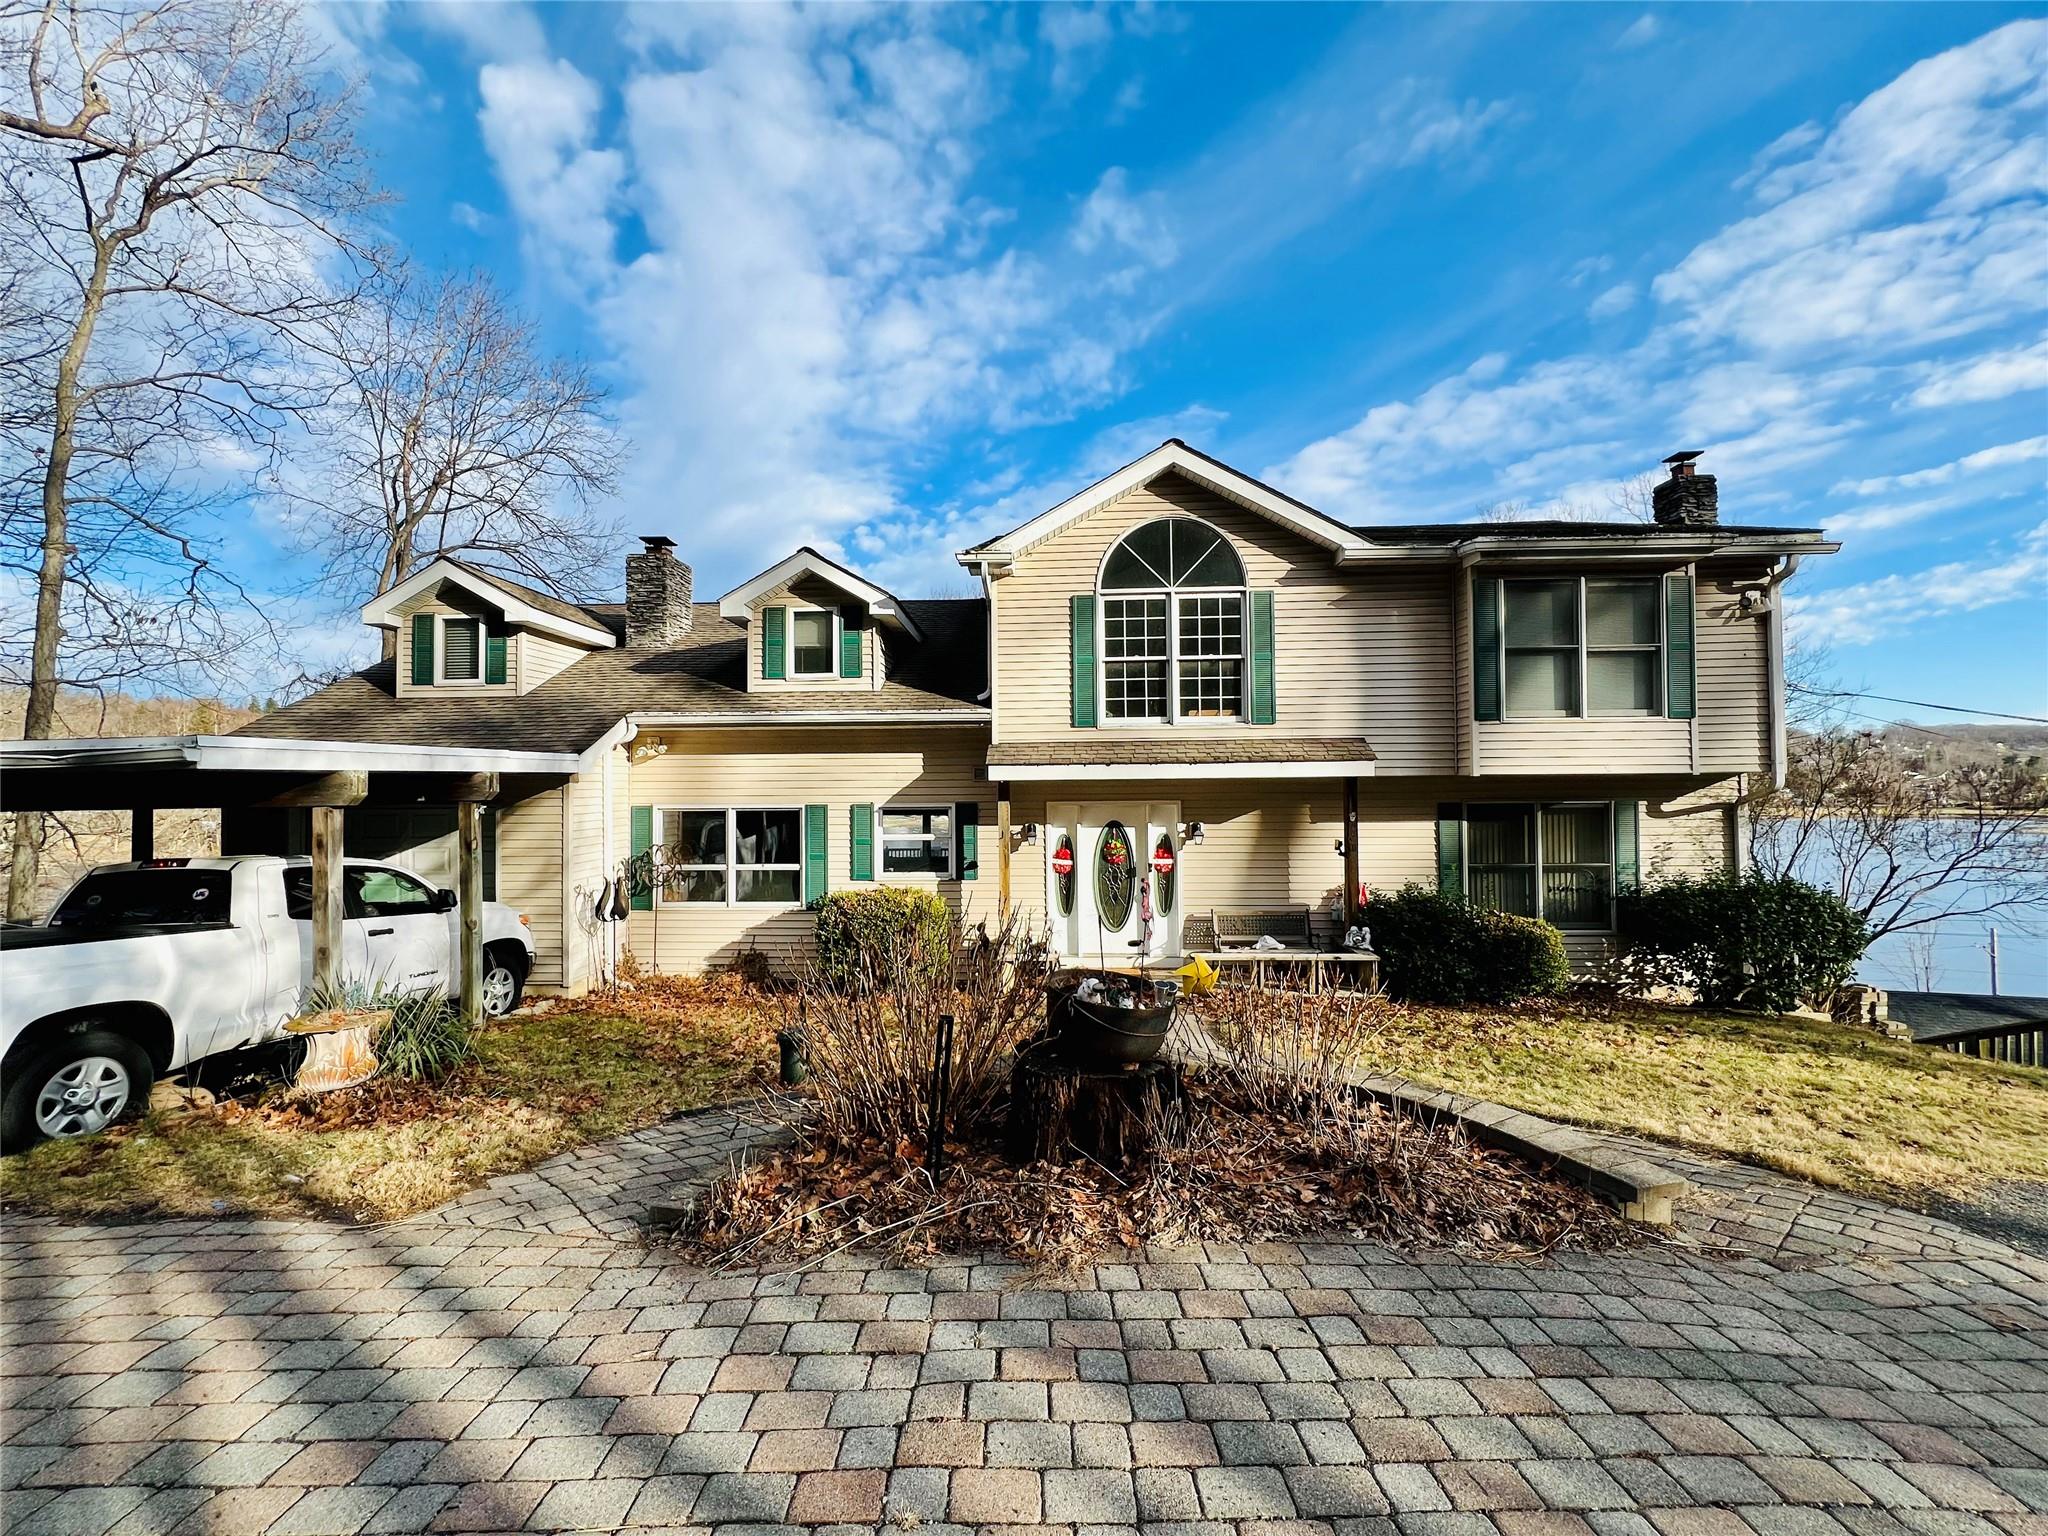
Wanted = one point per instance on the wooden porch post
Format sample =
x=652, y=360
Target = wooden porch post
x=142, y=834
x=1350, y=852
x=469, y=837
x=327, y=856
x=1003, y=850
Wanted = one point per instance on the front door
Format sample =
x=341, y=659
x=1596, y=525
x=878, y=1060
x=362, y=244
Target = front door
x=1113, y=881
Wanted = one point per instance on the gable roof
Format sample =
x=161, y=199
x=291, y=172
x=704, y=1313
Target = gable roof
x=701, y=681
x=884, y=605
x=1175, y=457
x=521, y=604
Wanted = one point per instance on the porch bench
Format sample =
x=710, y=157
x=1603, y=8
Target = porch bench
x=1233, y=935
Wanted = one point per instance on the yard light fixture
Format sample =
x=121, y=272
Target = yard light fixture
x=1030, y=833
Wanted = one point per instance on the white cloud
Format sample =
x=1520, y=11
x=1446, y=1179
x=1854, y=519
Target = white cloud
x=1891, y=514
x=540, y=124
x=1893, y=605
x=1614, y=301
x=1941, y=474
x=1451, y=128
x=1586, y=270
x=1111, y=215
x=1640, y=32
x=469, y=216
x=1994, y=376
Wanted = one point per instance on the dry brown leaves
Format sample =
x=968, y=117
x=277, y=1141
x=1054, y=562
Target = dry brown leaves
x=1249, y=1176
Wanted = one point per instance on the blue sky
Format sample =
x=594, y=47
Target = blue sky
x=888, y=281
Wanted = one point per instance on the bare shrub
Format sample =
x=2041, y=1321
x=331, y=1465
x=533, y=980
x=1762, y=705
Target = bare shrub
x=1291, y=1053
x=871, y=1049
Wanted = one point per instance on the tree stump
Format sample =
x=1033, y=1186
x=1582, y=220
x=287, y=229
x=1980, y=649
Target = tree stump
x=1060, y=1111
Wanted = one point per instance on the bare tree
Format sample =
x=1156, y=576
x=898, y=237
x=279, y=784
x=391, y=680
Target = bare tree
x=174, y=182
x=456, y=434
x=1907, y=850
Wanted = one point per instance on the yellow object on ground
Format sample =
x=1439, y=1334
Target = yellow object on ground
x=1199, y=975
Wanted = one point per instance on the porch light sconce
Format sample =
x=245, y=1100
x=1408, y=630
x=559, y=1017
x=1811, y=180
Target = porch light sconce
x=1196, y=832
x=1029, y=833
x=1340, y=846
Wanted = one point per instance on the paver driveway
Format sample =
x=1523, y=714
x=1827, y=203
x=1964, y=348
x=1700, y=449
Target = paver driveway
x=473, y=1370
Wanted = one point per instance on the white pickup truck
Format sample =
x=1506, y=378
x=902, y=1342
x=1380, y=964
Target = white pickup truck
x=143, y=968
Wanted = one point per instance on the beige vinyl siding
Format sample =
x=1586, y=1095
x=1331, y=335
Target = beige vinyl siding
x=529, y=876
x=450, y=601
x=584, y=872
x=534, y=658
x=1602, y=744
x=838, y=768
x=809, y=592
x=1734, y=677
x=1689, y=834
x=1356, y=653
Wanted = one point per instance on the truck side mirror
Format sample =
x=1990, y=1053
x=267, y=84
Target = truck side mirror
x=444, y=901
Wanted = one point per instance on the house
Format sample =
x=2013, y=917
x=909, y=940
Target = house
x=1181, y=690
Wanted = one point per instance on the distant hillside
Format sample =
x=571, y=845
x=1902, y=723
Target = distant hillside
x=1944, y=747
x=77, y=840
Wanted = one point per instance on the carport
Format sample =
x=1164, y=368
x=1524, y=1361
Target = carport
x=142, y=775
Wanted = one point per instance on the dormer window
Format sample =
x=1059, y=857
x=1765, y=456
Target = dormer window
x=813, y=643
x=1173, y=625
x=461, y=650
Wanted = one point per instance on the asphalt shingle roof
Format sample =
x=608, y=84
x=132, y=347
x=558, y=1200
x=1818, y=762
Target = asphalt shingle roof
x=704, y=676
x=1941, y=1015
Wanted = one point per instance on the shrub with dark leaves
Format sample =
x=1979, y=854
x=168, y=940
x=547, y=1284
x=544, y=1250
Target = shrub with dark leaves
x=1438, y=948
x=868, y=938
x=1742, y=941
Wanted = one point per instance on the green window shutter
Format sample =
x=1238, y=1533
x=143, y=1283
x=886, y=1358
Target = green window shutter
x=1450, y=849
x=1082, y=613
x=643, y=839
x=861, y=845
x=1628, y=838
x=967, y=839
x=1485, y=648
x=850, y=636
x=490, y=842
x=494, y=658
x=1262, y=658
x=1681, y=688
x=423, y=650
x=814, y=853
x=774, y=626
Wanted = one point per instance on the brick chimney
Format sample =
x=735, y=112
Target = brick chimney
x=657, y=596
x=1688, y=499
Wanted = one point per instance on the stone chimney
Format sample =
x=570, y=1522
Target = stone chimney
x=1688, y=499
x=657, y=596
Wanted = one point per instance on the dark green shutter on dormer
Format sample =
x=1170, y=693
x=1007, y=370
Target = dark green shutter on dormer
x=815, y=880
x=1262, y=710
x=642, y=889
x=1485, y=648
x=1081, y=613
x=1681, y=684
x=860, y=845
x=774, y=628
x=850, y=637
x=967, y=838
x=423, y=650
x=1450, y=850
x=494, y=658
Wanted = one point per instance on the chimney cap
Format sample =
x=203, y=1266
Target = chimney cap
x=1676, y=460
x=657, y=542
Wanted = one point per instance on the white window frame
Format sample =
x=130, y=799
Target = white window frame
x=1172, y=596
x=832, y=646
x=732, y=866
x=952, y=839
x=1536, y=808
x=441, y=677
x=1584, y=710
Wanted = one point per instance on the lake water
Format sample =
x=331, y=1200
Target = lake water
x=1956, y=950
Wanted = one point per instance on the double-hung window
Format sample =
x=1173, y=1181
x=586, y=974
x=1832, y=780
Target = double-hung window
x=462, y=650
x=1555, y=862
x=917, y=840
x=732, y=857
x=1173, y=625
x=813, y=643
x=1577, y=646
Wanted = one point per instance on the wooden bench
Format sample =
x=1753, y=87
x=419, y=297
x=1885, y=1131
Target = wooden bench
x=1233, y=945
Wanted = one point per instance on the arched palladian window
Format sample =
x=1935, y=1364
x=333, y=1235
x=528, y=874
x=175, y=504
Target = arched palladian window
x=1173, y=631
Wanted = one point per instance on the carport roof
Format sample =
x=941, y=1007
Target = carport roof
x=264, y=754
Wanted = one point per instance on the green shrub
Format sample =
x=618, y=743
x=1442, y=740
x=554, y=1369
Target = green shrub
x=1742, y=941
x=426, y=1038
x=1435, y=948
x=867, y=938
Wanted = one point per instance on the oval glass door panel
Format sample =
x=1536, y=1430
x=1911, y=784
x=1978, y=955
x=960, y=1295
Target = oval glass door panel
x=1063, y=874
x=1165, y=870
x=1116, y=875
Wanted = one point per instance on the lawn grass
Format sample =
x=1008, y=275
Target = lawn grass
x=541, y=1082
x=1832, y=1103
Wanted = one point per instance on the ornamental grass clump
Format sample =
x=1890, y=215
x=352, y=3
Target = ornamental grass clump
x=427, y=1038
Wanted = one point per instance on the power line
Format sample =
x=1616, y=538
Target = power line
x=1885, y=698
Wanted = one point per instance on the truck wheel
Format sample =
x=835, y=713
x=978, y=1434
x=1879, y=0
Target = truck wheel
x=504, y=979
x=76, y=1085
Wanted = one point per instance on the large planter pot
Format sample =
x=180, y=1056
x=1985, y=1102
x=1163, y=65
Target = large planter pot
x=1102, y=1032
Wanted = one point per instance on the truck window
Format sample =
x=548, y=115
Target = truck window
x=164, y=898
x=372, y=892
